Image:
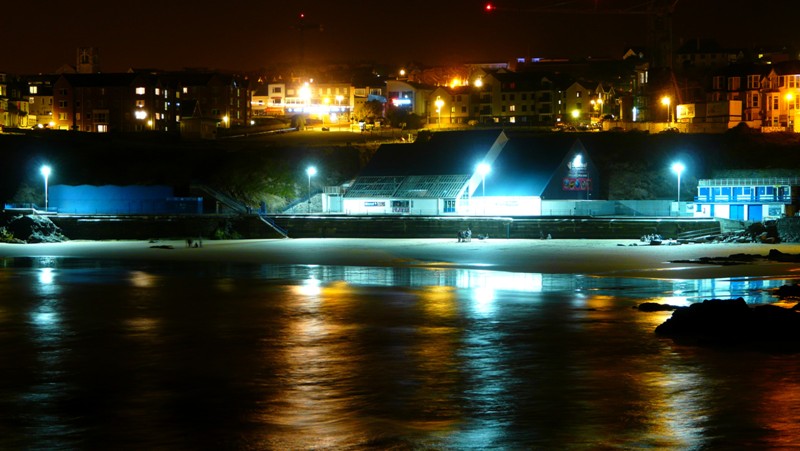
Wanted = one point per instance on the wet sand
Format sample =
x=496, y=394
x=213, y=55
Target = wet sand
x=621, y=258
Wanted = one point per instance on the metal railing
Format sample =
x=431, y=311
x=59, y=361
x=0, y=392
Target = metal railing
x=765, y=181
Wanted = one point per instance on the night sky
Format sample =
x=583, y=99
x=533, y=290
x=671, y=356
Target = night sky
x=250, y=34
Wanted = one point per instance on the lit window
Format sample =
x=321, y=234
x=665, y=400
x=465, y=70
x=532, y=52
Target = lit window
x=158, y=91
x=34, y=89
x=140, y=91
x=185, y=90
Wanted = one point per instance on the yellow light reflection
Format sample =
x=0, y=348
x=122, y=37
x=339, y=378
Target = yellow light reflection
x=141, y=326
x=439, y=302
x=141, y=279
x=319, y=361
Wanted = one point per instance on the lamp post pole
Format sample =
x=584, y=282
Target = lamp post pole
x=678, y=168
x=311, y=171
x=483, y=169
x=46, y=174
x=439, y=104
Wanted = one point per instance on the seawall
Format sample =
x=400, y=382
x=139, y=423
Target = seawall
x=252, y=227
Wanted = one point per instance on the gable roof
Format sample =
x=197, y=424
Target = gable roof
x=522, y=164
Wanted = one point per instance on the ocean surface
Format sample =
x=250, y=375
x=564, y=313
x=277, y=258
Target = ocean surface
x=120, y=355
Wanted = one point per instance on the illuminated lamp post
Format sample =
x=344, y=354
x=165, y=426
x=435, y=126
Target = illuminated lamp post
x=666, y=101
x=789, y=100
x=678, y=168
x=310, y=172
x=439, y=104
x=305, y=95
x=45, y=170
x=483, y=169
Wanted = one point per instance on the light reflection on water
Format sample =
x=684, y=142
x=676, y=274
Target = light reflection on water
x=295, y=357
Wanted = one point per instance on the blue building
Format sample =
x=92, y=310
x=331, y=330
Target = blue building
x=117, y=200
x=747, y=199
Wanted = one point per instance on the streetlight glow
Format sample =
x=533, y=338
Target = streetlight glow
x=310, y=171
x=678, y=168
x=45, y=170
x=439, y=104
x=483, y=169
x=666, y=101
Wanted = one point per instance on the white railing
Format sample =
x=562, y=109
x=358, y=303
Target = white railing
x=767, y=181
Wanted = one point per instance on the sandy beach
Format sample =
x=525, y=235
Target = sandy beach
x=617, y=258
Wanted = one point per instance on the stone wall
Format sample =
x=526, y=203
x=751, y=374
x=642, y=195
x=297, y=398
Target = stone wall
x=251, y=227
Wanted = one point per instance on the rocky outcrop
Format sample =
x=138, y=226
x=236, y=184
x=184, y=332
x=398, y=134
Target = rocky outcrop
x=32, y=229
x=789, y=229
x=732, y=322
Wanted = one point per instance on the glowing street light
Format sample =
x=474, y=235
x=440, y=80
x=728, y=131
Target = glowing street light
x=310, y=172
x=666, y=101
x=305, y=94
x=678, y=168
x=439, y=104
x=45, y=170
x=483, y=169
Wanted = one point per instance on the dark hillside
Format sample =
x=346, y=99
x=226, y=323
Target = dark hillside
x=629, y=163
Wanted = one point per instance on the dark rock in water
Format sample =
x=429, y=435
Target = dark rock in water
x=35, y=229
x=733, y=322
x=778, y=256
x=656, y=307
x=788, y=291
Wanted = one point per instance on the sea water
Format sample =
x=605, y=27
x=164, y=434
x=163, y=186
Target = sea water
x=122, y=355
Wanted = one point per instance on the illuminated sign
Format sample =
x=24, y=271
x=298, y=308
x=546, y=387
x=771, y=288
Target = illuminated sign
x=686, y=111
x=401, y=102
x=374, y=204
x=576, y=184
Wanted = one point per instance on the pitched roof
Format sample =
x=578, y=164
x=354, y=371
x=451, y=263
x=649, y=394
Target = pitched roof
x=442, y=166
x=446, y=153
x=787, y=67
x=105, y=80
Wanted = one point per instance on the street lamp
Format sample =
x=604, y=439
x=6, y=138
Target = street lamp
x=678, y=168
x=483, y=169
x=666, y=101
x=439, y=104
x=45, y=170
x=310, y=171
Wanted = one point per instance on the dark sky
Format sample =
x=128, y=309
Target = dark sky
x=248, y=34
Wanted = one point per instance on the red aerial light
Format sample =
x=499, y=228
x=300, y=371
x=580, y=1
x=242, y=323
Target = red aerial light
x=489, y=7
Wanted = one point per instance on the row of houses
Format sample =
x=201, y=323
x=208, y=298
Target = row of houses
x=134, y=101
x=537, y=93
